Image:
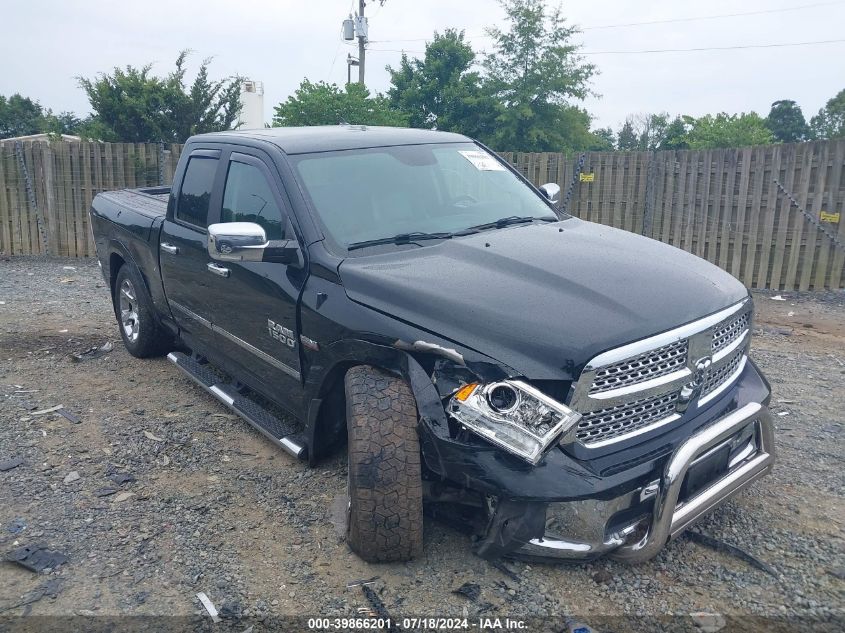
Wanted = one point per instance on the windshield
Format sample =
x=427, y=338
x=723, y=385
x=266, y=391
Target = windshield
x=372, y=194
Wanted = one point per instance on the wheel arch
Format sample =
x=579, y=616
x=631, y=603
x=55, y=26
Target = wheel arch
x=327, y=406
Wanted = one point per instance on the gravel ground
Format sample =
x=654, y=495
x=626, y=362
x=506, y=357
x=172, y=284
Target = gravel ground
x=210, y=506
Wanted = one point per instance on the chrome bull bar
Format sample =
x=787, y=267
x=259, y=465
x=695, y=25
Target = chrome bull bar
x=669, y=516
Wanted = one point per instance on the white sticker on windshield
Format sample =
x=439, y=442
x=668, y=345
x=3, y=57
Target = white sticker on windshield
x=482, y=160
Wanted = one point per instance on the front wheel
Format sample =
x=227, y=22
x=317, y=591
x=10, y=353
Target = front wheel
x=384, y=517
x=141, y=333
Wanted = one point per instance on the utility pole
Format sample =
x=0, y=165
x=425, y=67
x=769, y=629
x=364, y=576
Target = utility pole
x=362, y=40
x=357, y=29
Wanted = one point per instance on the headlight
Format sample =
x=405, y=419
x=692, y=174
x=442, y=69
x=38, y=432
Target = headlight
x=513, y=415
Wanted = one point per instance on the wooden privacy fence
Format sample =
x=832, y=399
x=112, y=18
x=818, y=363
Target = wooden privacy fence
x=46, y=189
x=723, y=205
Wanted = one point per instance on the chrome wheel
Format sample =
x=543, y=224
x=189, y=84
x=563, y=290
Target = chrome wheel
x=128, y=305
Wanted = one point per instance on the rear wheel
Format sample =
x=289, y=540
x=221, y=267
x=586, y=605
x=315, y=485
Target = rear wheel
x=385, y=519
x=142, y=334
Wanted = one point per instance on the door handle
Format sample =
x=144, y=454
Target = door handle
x=169, y=248
x=218, y=270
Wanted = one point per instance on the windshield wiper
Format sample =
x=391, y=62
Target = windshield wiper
x=401, y=238
x=502, y=223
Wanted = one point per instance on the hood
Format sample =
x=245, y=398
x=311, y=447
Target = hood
x=542, y=298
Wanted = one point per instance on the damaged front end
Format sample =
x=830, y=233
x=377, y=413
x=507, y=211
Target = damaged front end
x=546, y=482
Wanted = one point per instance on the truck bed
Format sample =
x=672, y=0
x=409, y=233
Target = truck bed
x=147, y=201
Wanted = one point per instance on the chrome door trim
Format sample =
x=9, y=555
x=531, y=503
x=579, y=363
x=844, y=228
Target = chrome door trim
x=275, y=362
x=191, y=314
x=290, y=371
x=215, y=269
x=169, y=248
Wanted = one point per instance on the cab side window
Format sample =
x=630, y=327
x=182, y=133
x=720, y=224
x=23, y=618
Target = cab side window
x=195, y=194
x=249, y=197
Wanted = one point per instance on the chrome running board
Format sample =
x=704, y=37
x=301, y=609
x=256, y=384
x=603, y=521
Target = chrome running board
x=279, y=431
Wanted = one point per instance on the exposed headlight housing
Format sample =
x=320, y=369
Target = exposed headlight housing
x=513, y=415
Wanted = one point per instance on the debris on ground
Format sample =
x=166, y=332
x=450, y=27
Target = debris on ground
x=105, y=492
x=209, y=606
x=58, y=407
x=151, y=436
x=468, y=590
x=122, y=478
x=507, y=571
x=602, y=576
x=777, y=298
x=36, y=558
x=726, y=548
x=9, y=464
x=92, y=352
x=123, y=496
x=49, y=589
x=708, y=622
x=70, y=417
x=356, y=583
x=16, y=525
x=378, y=606
x=71, y=477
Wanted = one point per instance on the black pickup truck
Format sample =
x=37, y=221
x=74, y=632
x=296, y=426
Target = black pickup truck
x=568, y=389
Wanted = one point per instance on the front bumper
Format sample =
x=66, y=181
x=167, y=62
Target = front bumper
x=635, y=526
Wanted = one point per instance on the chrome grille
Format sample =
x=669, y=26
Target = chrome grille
x=636, y=387
x=720, y=374
x=652, y=364
x=727, y=333
x=604, y=424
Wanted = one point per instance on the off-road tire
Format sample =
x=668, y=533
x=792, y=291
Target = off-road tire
x=385, y=515
x=152, y=339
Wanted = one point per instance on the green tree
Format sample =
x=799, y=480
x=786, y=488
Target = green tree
x=534, y=71
x=441, y=91
x=675, y=135
x=604, y=140
x=786, y=122
x=322, y=103
x=728, y=130
x=627, y=140
x=62, y=123
x=829, y=123
x=133, y=105
x=20, y=116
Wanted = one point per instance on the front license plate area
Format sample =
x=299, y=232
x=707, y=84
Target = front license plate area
x=705, y=472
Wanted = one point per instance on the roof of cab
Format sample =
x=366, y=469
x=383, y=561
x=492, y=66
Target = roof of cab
x=327, y=138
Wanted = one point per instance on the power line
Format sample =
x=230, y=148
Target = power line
x=711, y=17
x=650, y=22
x=711, y=48
x=658, y=50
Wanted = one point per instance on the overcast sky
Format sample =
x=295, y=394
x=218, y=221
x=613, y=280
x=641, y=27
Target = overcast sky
x=46, y=44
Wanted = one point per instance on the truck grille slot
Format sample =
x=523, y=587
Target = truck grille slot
x=635, y=388
x=721, y=373
x=727, y=333
x=652, y=364
x=622, y=419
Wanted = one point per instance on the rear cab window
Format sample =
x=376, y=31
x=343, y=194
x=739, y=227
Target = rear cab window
x=195, y=193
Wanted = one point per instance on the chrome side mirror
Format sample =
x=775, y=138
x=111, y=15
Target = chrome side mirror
x=552, y=191
x=236, y=242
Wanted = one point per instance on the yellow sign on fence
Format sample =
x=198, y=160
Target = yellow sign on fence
x=587, y=177
x=829, y=217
